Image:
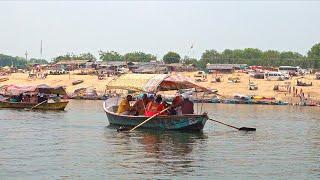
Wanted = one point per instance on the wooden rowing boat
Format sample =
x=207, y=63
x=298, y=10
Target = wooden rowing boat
x=45, y=106
x=154, y=83
x=190, y=122
x=4, y=79
x=77, y=82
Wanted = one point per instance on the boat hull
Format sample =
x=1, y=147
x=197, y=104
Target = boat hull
x=44, y=106
x=182, y=123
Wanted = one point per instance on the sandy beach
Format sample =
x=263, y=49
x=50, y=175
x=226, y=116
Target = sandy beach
x=225, y=88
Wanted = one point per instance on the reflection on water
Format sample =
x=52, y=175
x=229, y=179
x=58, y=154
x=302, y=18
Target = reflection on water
x=78, y=144
x=171, y=150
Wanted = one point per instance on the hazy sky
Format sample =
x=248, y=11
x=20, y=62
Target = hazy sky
x=156, y=27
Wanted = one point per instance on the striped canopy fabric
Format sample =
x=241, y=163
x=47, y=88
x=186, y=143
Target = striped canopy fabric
x=13, y=90
x=153, y=82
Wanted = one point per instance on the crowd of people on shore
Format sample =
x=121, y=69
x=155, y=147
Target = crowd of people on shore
x=149, y=105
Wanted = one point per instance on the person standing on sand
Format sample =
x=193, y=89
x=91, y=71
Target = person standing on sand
x=293, y=91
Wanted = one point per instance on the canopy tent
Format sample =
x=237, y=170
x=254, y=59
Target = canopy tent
x=13, y=90
x=153, y=82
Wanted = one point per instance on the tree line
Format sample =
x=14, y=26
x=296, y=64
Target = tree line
x=6, y=60
x=250, y=56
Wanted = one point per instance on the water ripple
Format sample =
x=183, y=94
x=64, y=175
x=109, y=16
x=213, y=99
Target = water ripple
x=77, y=144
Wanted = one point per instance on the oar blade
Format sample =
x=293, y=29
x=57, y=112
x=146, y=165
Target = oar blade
x=247, y=129
x=123, y=129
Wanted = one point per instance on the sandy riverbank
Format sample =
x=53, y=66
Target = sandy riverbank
x=224, y=88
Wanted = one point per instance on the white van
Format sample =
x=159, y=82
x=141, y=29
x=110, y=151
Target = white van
x=200, y=76
x=274, y=76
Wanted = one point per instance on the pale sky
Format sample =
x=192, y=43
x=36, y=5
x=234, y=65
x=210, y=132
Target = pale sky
x=156, y=27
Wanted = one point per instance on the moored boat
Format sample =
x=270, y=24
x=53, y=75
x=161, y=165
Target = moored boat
x=4, y=79
x=77, y=82
x=86, y=94
x=45, y=106
x=33, y=97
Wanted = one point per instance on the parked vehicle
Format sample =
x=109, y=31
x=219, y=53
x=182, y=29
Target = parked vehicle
x=291, y=70
x=274, y=76
x=317, y=75
x=200, y=76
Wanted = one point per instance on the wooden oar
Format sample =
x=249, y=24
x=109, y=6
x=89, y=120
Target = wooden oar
x=240, y=129
x=37, y=105
x=125, y=129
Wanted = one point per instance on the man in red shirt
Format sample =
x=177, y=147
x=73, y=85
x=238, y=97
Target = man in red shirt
x=187, y=105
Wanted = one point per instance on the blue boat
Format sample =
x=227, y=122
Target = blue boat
x=154, y=83
x=187, y=122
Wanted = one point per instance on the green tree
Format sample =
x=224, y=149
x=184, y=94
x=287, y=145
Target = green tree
x=252, y=53
x=138, y=57
x=227, y=53
x=314, y=55
x=110, y=56
x=290, y=55
x=271, y=54
x=210, y=56
x=85, y=56
x=238, y=53
x=171, y=57
x=6, y=60
x=66, y=57
x=69, y=57
x=37, y=61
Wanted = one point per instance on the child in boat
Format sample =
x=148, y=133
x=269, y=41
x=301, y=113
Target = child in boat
x=124, y=106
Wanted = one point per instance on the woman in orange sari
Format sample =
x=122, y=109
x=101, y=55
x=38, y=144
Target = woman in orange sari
x=154, y=106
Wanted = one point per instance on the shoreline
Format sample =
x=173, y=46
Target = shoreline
x=226, y=90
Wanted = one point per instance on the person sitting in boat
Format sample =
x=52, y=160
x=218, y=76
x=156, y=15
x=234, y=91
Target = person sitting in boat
x=41, y=98
x=26, y=98
x=124, y=106
x=187, y=105
x=56, y=98
x=154, y=106
x=140, y=105
x=176, y=105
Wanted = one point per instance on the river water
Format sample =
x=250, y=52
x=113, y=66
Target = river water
x=77, y=144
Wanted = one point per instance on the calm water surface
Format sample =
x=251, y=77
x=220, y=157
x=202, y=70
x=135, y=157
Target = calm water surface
x=77, y=144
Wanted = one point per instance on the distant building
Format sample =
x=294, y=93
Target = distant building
x=73, y=64
x=224, y=68
x=113, y=65
x=180, y=67
x=151, y=68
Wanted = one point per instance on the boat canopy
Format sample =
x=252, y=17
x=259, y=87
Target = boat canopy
x=13, y=90
x=153, y=83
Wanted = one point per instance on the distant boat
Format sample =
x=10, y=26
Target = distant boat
x=13, y=97
x=4, y=79
x=87, y=94
x=77, y=82
x=44, y=106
